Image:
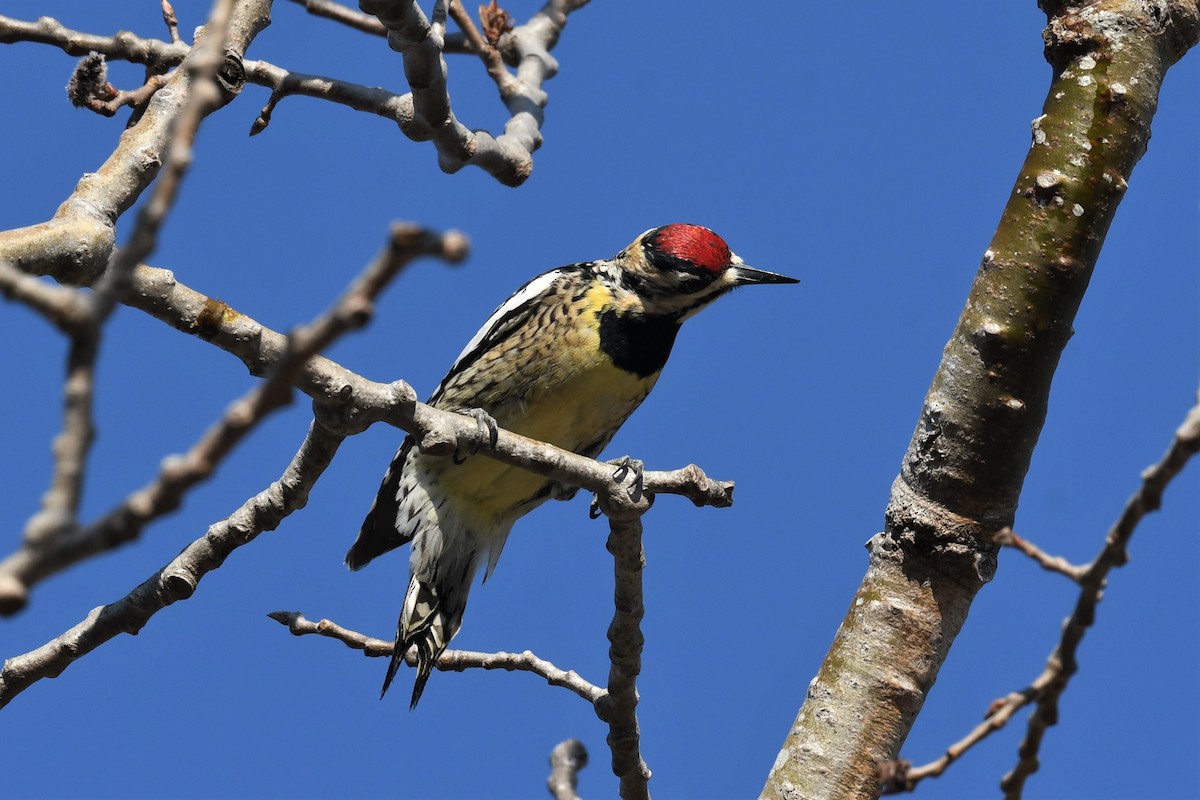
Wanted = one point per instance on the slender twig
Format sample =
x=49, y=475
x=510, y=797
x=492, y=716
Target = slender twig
x=1008, y=538
x=493, y=62
x=566, y=759
x=450, y=661
x=1062, y=663
x=172, y=22
x=1050, y=684
x=68, y=309
x=347, y=16
x=89, y=88
x=422, y=115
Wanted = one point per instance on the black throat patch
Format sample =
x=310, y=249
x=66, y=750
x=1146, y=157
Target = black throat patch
x=637, y=343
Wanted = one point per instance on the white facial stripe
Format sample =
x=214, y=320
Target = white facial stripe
x=527, y=292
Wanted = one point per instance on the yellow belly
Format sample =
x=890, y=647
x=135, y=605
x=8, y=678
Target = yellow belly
x=575, y=402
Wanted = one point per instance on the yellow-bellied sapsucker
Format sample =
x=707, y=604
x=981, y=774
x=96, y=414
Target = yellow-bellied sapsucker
x=565, y=360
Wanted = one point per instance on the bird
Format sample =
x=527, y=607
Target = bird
x=565, y=360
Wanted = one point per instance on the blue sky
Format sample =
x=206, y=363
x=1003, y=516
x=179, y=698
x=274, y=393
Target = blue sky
x=869, y=159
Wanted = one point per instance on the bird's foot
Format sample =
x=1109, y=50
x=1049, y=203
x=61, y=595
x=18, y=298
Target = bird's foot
x=625, y=467
x=486, y=427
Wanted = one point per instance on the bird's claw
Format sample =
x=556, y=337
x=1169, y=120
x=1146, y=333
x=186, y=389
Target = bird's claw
x=625, y=466
x=487, y=426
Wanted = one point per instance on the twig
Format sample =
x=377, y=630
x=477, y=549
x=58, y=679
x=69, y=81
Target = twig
x=566, y=759
x=168, y=12
x=619, y=709
x=507, y=157
x=1062, y=663
x=178, y=579
x=422, y=116
x=76, y=245
x=45, y=555
x=347, y=16
x=1050, y=684
x=493, y=62
x=1008, y=538
x=89, y=88
x=450, y=661
x=68, y=309
x=60, y=504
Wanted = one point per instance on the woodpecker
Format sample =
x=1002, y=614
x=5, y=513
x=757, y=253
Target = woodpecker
x=565, y=360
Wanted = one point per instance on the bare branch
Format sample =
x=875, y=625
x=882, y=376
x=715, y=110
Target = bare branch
x=1062, y=663
x=1049, y=685
x=347, y=16
x=1008, y=538
x=507, y=157
x=566, y=759
x=44, y=555
x=61, y=503
x=89, y=88
x=178, y=579
x=172, y=23
x=76, y=244
x=68, y=309
x=422, y=115
x=450, y=661
x=619, y=708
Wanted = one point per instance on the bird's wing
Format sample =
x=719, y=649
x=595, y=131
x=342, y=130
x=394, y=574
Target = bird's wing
x=504, y=321
x=379, y=532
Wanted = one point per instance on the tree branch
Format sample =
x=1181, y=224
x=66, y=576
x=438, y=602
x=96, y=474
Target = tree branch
x=43, y=555
x=76, y=244
x=962, y=475
x=60, y=504
x=507, y=157
x=1045, y=690
x=1062, y=663
x=1008, y=538
x=178, y=579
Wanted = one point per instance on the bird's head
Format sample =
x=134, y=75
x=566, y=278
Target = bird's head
x=679, y=269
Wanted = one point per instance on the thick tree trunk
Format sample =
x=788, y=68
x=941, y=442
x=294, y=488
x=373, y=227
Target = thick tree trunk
x=962, y=475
